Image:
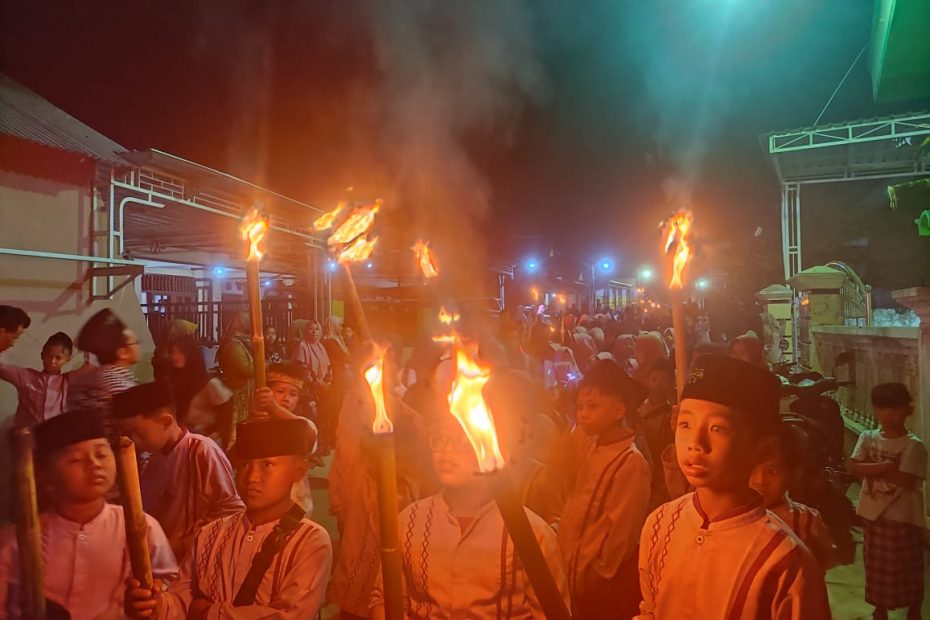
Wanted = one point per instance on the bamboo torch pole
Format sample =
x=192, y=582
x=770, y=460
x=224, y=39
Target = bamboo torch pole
x=28, y=530
x=355, y=302
x=253, y=229
x=258, y=330
x=677, y=234
x=136, y=527
x=681, y=340
x=389, y=530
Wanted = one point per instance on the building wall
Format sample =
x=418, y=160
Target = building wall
x=45, y=214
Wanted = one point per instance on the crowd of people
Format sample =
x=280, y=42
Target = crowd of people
x=644, y=502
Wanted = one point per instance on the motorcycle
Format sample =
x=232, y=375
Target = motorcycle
x=824, y=481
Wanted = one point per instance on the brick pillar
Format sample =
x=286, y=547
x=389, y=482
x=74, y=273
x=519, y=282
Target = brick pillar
x=918, y=300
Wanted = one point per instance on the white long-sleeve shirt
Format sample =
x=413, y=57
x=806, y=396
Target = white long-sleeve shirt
x=292, y=588
x=745, y=565
x=86, y=566
x=455, y=572
x=604, y=513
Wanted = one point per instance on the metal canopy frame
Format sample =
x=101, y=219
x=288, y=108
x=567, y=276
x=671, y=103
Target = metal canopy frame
x=881, y=148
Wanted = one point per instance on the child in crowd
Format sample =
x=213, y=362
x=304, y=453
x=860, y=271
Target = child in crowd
x=13, y=322
x=772, y=478
x=117, y=351
x=893, y=463
x=84, y=554
x=608, y=498
x=268, y=561
x=458, y=559
x=280, y=400
x=654, y=423
x=187, y=481
x=717, y=552
x=42, y=393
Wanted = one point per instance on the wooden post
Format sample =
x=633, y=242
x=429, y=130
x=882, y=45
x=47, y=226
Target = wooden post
x=136, y=527
x=355, y=302
x=253, y=284
x=527, y=547
x=28, y=529
x=389, y=528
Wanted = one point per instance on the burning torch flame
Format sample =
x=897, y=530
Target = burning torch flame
x=425, y=259
x=467, y=404
x=326, y=221
x=254, y=227
x=374, y=376
x=446, y=317
x=678, y=231
x=562, y=299
x=356, y=225
x=358, y=250
x=535, y=293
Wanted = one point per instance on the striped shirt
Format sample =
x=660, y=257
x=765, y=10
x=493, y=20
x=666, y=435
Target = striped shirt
x=457, y=569
x=95, y=389
x=808, y=525
x=223, y=551
x=746, y=564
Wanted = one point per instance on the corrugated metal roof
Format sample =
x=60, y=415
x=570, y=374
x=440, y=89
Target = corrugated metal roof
x=26, y=115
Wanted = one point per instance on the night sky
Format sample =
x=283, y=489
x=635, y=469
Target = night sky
x=574, y=126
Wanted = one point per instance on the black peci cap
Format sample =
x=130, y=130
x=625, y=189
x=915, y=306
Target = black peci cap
x=141, y=399
x=734, y=383
x=65, y=430
x=609, y=378
x=275, y=437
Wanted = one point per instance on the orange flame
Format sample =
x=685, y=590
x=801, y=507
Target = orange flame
x=326, y=221
x=677, y=239
x=253, y=229
x=425, y=259
x=467, y=404
x=374, y=376
x=562, y=299
x=356, y=225
x=535, y=293
x=358, y=250
x=446, y=317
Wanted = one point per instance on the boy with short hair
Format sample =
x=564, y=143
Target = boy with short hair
x=84, y=538
x=458, y=559
x=772, y=478
x=267, y=561
x=608, y=498
x=893, y=463
x=117, y=350
x=13, y=322
x=42, y=393
x=716, y=552
x=186, y=481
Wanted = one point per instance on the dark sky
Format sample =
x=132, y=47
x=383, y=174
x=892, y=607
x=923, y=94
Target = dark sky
x=574, y=125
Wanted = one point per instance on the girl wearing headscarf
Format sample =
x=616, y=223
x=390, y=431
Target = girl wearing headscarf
x=649, y=347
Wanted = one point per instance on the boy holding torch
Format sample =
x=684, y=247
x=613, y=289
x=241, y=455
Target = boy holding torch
x=84, y=549
x=268, y=561
x=717, y=553
x=457, y=556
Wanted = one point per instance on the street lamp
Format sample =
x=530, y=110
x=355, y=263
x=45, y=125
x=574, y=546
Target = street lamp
x=702, y=284
x=532, y=265
x=645, y=274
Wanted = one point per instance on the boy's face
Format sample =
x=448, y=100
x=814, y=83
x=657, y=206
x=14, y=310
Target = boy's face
x=128, y=354
x=596, y=411
x=453, y=457
x=660, y=385
x=771, y=479
x=892, y=417
x=84, y=471
x=265, y=482
x=148, y=432
x=8, y=337
x=713, y=445
x=285, y=394
x=54, y=357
